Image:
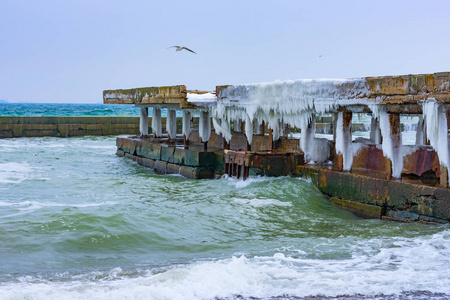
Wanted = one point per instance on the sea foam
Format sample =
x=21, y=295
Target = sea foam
x=407, y=264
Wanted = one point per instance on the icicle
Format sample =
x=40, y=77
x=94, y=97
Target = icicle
x=375, y=133
x=249, y=130
x=171, y=123
x=437, y=130
x=391, y=143
x=256, y=128
x=420, y=132
x=237, y=125
x=307, y=137
x=344, y=141
x=276, y=131
x=222, y=127
x=143, y=121
x=186, y=128
x=156, y=122
x=204, y=126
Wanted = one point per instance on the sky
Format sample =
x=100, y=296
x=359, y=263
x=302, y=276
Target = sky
x=70, y=51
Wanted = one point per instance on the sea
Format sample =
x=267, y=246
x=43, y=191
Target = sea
x=79, y=222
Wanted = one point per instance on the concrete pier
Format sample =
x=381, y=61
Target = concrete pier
x=252, y=129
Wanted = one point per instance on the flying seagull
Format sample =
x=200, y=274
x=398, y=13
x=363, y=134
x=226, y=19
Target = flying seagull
x=179, y=48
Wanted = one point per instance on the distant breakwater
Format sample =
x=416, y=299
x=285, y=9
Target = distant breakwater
x=12, y=127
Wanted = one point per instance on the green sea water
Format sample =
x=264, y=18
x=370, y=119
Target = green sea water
x=79, y=222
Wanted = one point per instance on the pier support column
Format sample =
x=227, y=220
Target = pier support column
x=262, y=128
x=204, y=128
x=256, y=128
x=444, y=151
x=186, y=127
x=249, y=133
x=391, y=144
x=307, y=137
x=375, y=132
x=143, y=121
x=246, y=172
x=271, y=139
x=343, y=141
x=171, y=124
x=421, y=137
x=156, y=122
x=437, y=123
x=237, y=125
x=286, y=130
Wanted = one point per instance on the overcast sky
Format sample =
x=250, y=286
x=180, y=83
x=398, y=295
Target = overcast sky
x=70, y=51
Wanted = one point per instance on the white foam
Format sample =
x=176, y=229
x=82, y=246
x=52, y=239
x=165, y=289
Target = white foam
x=241, y=183
x=106, y=147
x=402, y=264
x=261, y=202
x=35, y=205
x=14, y=172
x=27, y=207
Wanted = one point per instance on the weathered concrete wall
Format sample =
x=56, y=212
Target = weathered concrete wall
x=11, y=127
x=164, y=159
x=169, y=95
x=395, y=199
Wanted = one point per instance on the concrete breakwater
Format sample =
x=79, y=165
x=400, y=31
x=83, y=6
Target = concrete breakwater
x=12, y=127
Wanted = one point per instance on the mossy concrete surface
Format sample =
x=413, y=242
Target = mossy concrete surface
x=417, y=202
x=360, y=209
x=170, y=159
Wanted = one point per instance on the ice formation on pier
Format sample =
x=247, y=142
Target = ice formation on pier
x=204, y=99
x=437, y=129
x=391, y=144
x=344, y=142
x=204, y=125
x=292, y=102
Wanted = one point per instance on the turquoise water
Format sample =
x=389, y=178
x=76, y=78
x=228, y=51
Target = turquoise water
x=79, y=222
x=72, y=110
x=66, y=110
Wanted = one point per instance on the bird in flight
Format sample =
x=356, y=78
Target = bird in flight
x=179, y=48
